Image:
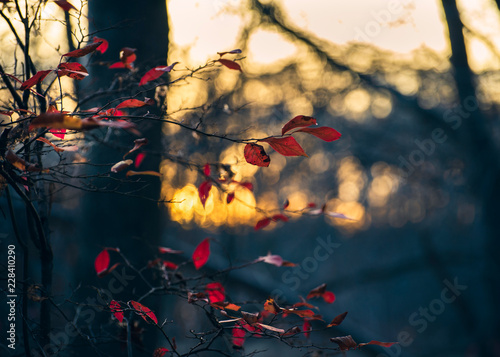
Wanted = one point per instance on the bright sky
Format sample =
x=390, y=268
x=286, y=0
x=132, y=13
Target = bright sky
x=397, y=25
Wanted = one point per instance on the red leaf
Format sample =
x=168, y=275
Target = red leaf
x=127, y=55
x=216, y=292
x=378, y=343
x=118, y=65
x=101, y=262
x=65, y=5
x=230, y=52
x=58, y=133
x=83, y=51
x=73, y=70
x=238, y=337
x=298, y=122
x=230, y=197
x=320, y=291
x=323, y=132
x=286, y=204
x=279, y=217
x=164, y=250
x=262, y=223
x=132, y=103
x=206, y=170
x=201, y=253
x=286, y=146
x=170, y=265
x=337, y=320
x=138, y=159
x=155, y=73
x=160, y=352
x=103, y=47
x=204, y=190
x=37, y=78
x=230, y=64
x=144, y=312
x=116, y=310
x=255, y=155
x=247, y=185
x=329, y=297
x=306, y=327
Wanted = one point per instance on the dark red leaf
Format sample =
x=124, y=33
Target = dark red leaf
x=144, y=312
x=155, y=73
x=170, y=265
x=201, y=253
x=320, y=291
x=204, y=190
x=37, y=78
x=230, y=64
x=215, y=292
x=206, y=170
x=378, y=343
x=306, y=327
x=101, y=262
x=118, y=65
x=262, y=223
x=73, y=70
x=138, y=143
x=83, y=51
x=230, y=197
x=286, y=146
x=345, y=342
x=279, y=217
x=116, y=310
x=323, y=132
x=247, y=185
x=337, y=320
x=65, y=5
x=104, y=44
x=160, y=352
x=286, y=204
x=255, y=155
x=127, y=55
x=298, y=122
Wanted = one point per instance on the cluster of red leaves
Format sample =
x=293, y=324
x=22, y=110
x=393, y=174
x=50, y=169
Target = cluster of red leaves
x=286, y=145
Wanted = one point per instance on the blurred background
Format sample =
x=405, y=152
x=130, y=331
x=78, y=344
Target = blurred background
x=413, y=87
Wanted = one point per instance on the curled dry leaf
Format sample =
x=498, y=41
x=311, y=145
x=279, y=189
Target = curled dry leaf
x=56, y=121
x=57, y=148
x=255, y=155
x=378, y=343
x=271, y=306
x=287, y=146
x=201, y=253
x=146, y=173
x=21, y=164
x=122, y=165
x=272, y=259
x=321, y=291
x=138, y=143
x=345, y=342
x=164, y=250
x=337, y=320
x=144, y=312
x=229, y=52
x=271, y=328
x=298, y=122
